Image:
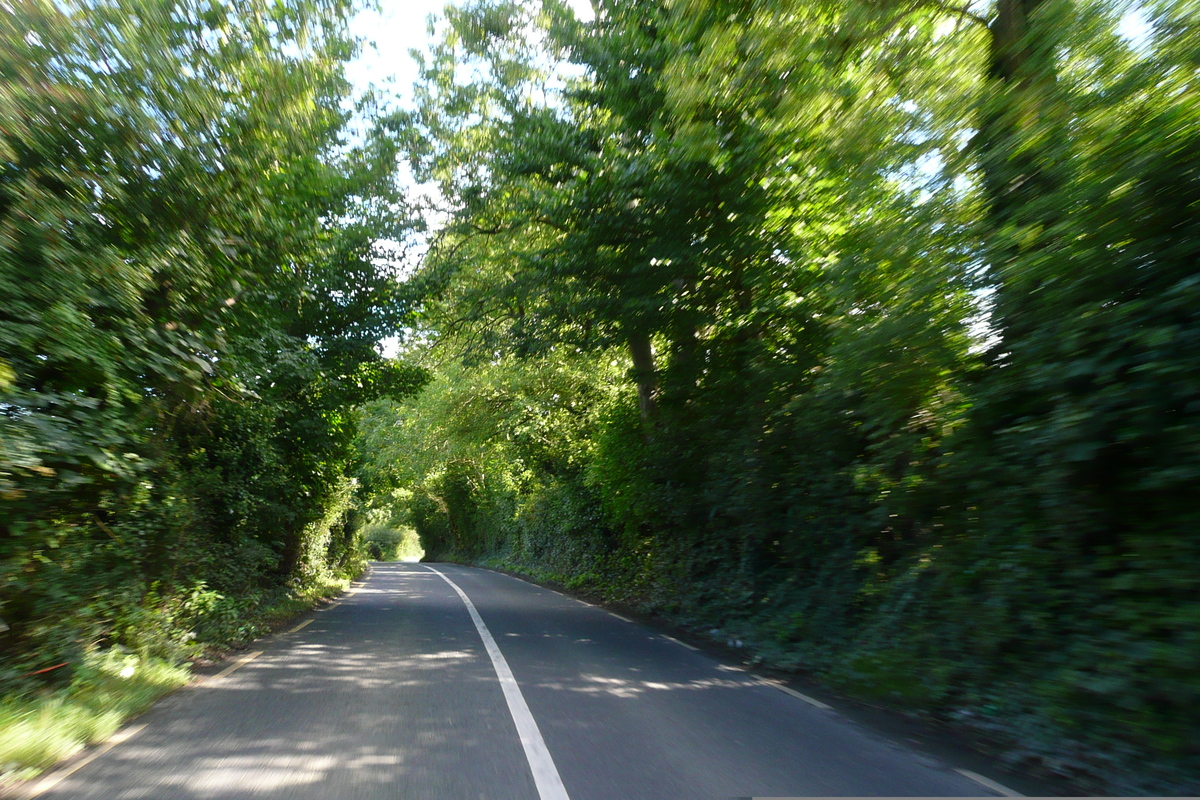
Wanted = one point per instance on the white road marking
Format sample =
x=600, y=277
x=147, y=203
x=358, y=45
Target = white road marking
x=301, y=626
x=50, y=781
x=988, y=783
x=545, y=774
x=506, y=575
x=676, y=641
x=618, y=616
x=812, y=701
x=241, y=662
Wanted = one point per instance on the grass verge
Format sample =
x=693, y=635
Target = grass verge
x=38, y=731
x=110, y=687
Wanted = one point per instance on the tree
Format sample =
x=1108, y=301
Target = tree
x=192, y=298
x=907, y=289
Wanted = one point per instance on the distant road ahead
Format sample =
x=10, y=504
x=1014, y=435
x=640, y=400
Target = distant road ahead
x=397, y=693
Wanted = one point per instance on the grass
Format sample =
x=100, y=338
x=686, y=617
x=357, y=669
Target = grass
x=111, y=686
x=38, y=731
x=284, y=609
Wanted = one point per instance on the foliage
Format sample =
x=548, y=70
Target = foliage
x=35, y=733
x=862, y=332
x=193, y=291
x=384, y=543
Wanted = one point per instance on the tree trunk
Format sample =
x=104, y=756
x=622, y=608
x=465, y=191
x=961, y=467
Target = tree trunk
x=1022, y=69
x=1019, y=135
x=644, y=374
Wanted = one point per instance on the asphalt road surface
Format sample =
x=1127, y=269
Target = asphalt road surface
x=406, y=690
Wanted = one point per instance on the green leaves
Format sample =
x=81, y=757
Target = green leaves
x=193, y=291
x=901, y=299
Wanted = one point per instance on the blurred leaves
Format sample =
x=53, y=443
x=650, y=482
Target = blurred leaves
x=885, y=319
x=194, y=278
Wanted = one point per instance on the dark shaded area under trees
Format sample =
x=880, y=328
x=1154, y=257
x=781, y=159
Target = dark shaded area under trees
x=866, y=333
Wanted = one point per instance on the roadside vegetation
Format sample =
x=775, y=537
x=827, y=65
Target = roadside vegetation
x=191, y=294
x=112, y=684
x=863, y=333
x=385, y=543
x=109, y=687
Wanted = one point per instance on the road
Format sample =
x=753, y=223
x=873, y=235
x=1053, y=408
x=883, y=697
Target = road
x=395, y=692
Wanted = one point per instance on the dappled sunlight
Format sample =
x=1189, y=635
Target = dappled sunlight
x=266, y=773
x=626, y=688
x=454, y=654
x=544, y=635
x=238, y=768
x=317, y=714
x=319, y=668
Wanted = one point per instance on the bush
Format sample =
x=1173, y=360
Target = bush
x=385, y=543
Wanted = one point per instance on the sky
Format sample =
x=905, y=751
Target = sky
x=397, y=27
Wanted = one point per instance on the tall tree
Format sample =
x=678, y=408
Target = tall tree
x=192, y=294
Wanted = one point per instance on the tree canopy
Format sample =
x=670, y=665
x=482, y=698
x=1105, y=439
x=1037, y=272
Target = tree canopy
x=193, y=291
x=862, y=332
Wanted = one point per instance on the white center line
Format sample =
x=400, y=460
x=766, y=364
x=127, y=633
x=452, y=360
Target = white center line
x=545, y=774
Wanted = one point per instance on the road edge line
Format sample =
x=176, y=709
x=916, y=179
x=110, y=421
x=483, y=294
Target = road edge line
x=691, y=647
x=812, y=701
x=545, y=774
x=235, y=666
x=988, y=783
x=48, y=782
